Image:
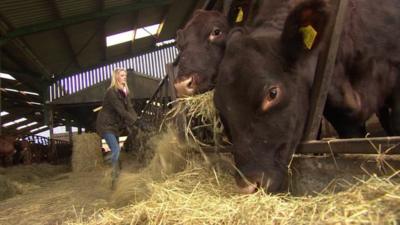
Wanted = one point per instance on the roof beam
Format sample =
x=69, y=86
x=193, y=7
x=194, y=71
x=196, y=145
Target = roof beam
x=23, y=47
x=81, y=18
x=67, y=40
x=102, y=31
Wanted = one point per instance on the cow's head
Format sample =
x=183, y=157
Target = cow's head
x=262, y=94
x=201, y=45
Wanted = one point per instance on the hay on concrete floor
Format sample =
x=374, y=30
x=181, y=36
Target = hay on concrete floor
x=8, y=189
x=86, y=152
x=202, y=196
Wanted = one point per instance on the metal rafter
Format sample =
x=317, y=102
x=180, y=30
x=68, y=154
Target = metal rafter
x=102, y=30
x=137, y=5
x=23, y=47
x=67, y=40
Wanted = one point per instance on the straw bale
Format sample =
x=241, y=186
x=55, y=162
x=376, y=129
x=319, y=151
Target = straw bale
x=86, y=152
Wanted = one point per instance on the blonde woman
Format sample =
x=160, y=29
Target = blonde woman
x=117, y=113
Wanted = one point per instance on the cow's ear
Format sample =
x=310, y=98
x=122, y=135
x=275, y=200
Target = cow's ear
x=304, y=29
x=236, y=33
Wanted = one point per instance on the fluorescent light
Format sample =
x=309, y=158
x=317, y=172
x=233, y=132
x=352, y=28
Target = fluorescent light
x=39, y=128
x=9, y=89
x=34, y=103
x=27, y=125
x=6, y=76
x=166, y=42
x=131, y=35
x=97, y=109
x=14, y=122
x=22, y=92
x=29, y=93
x=4, y=113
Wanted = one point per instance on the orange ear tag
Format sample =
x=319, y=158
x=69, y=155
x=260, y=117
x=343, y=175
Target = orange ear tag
x=309, y=35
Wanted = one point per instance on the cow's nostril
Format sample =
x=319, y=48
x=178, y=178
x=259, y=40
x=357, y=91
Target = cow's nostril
x=190, y=83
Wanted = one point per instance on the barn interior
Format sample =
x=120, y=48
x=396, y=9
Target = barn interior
x=56, y=57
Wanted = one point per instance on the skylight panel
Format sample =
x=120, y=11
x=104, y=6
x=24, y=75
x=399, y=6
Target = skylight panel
x=131, y=35
x=6, y=76
x=3, y=113
x=146, y=31
x=119, y=38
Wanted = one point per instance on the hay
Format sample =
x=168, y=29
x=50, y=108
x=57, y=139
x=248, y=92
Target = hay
x=201, y=115
x=202, y=196
x=169, y=158
x=8, y=189
x=86, y=152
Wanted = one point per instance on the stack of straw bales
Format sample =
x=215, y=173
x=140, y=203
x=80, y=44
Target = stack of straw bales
x=86, y=152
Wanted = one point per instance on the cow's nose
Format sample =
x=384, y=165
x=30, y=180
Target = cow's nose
x=185, y=87
x=249, y=183
x=249, y=189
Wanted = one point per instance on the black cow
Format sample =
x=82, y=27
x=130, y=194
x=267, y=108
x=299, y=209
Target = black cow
x=201, y=45
x=263, y=87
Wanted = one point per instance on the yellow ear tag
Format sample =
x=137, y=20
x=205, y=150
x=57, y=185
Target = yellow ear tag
x=309, y=35
x=239, y=17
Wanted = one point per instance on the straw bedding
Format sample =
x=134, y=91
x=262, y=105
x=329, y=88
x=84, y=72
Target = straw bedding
x=179, y=187
x=203, y=196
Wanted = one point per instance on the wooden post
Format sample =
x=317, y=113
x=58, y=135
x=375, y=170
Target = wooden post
x=0, y=94
x=324, y=72
x=69, y=129
x=52, y=153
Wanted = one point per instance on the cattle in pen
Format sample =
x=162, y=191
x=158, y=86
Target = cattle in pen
x=265, y=78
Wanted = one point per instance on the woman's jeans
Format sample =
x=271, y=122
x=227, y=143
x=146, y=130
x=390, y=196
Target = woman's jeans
x=112, y=142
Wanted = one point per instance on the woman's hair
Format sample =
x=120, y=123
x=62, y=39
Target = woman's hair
x=114, y=75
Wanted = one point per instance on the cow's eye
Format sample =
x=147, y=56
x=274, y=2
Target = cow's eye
x=215, y=33
x=272, y=93
x=271, y=98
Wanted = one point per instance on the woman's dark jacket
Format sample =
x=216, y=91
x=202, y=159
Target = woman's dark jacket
x=117, y=113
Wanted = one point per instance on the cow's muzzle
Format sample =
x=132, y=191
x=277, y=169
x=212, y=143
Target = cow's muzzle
x=186, y=86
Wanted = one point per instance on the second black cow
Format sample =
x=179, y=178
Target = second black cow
x=265, y=77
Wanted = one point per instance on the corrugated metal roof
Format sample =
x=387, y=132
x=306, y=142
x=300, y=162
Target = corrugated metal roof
x=76, y=7
x=113, y=3
x=23, y=13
